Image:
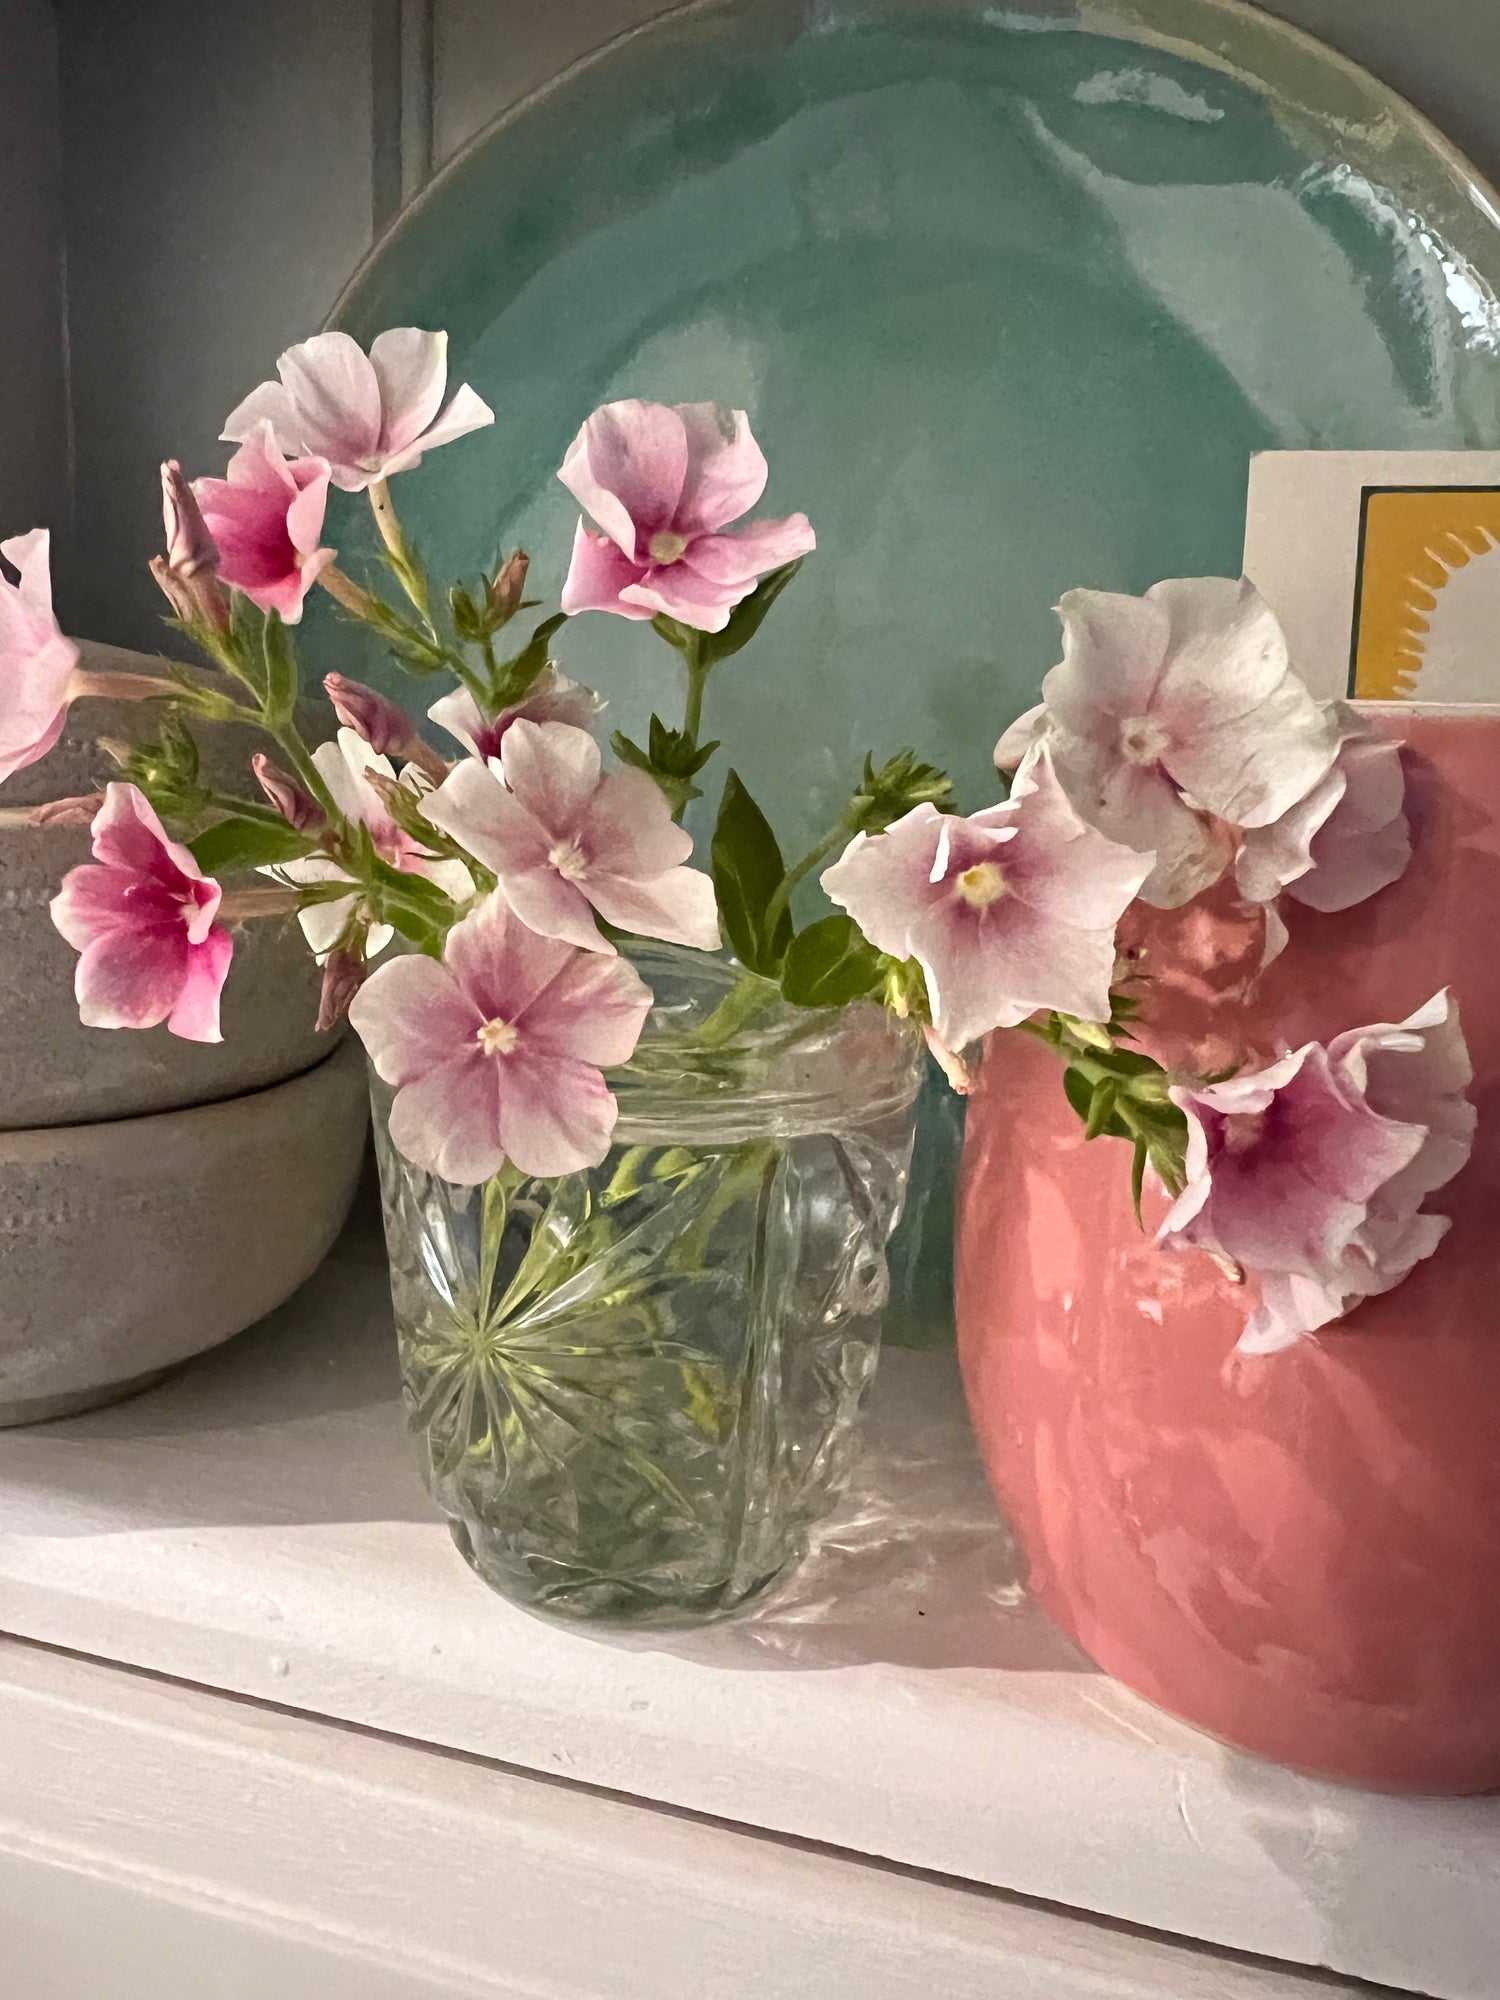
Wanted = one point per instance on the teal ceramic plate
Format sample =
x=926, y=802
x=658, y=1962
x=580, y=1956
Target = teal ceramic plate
x=1011, y=295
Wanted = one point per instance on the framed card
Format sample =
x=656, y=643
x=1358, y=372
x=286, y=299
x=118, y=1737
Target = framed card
x=1384, y=568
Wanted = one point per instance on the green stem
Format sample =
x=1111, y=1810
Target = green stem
x=838, y=835
x=692, y=714
x=403, y=561
x=750, y=995
x=289, y=740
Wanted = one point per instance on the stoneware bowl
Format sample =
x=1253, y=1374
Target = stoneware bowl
x=1296, y=1551
x=53, y=1070
x=128, y=1246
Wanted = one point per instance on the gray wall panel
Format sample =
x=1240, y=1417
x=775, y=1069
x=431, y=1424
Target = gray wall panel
x=33, y=403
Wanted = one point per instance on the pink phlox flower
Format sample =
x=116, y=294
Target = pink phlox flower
x=265, y=517
x=368, y=415
x=663, y=484
x=36, y=661
x=345, y=767
x=1174, y=717
x=1009, y=912
x=1347, y=838
x=1310, y=1173
x=552, y=697
x=566, y=839
x=141, y=915
x=497, y=1053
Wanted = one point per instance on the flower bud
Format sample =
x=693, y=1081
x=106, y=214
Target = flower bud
x=297, y=807
x=66, y=812
x=508, y=587
x=189, y=572
x=343, y=975
x=384, y=724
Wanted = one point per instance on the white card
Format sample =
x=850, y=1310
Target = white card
x=1384, y=569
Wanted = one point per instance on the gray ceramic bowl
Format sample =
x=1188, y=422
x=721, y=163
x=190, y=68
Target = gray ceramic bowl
x=53, y=1070
x=127, y=1247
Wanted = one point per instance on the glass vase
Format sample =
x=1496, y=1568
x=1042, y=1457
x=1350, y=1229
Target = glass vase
x=636, y=1388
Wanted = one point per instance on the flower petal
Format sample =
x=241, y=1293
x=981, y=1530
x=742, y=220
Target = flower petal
x=884, y=880
x=726, y=473
x=593, y=1010
x=553, y=770
x=744, y=555
x=448, y=1120
x=269, y=404
x=195, y=1017
x=626, y=468
x=411, y=370
x=556, y=1116
x=677, y=906
x=628, y=826
x=413, y=1016
x=335, y=394
x=596, y=576
x=131, y=978
x=1114, y=648
x=467, y=412
x=499, y=963
x=673, y=590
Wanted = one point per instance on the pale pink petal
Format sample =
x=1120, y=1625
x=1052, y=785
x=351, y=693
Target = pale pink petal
x=553, y=769
x=1416, y=1072
x=744, y=555
x=553, y=907
x=322, y=923
x=678, y=907
x=472, y=807
x=628, y=826
x=31, y=555
x=675, y=591
x=1271, y=857
x=626, y=468
x=500, y=964
x=304, y=517
x=1138, y=806
x=411, y=369
x=1245, y=737
x=556, y=1117
x=884, y=881
x=593, y=1010
x=128, y=834
x=33, y=702
x=335, y=394
x=452, y=877
x=467, y=412
x=726, y=474
x=459, y=714
x=410, y=1013
x=1058, y=859
x=597, y=574
x=130, y=978
x=1365, y=843
x=195, y=1017
x=269, y=404
x=448, y=1120
x=1114, y=648
x=1020, y=737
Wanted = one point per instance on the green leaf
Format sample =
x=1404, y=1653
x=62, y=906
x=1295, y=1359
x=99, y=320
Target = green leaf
x=829, y=964
x=747, y=871
x=246, y=626
x=515, y=676
x=1101, y=1116
x=247, y=843
x=685, y=638
x=745, y=620
x=1138, y=1178
x=281, y=683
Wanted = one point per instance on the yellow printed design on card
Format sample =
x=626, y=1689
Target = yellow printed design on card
x=1427, y=613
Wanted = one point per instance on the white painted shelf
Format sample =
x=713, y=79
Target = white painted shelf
x=256, y=1526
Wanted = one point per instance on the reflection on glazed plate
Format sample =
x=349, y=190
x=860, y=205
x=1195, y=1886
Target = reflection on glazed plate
x=1011, y=297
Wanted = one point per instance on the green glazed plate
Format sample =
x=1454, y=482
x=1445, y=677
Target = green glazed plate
x=1011, y=296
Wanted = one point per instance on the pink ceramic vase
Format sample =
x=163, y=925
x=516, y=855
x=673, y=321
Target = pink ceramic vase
x=1298, y=1552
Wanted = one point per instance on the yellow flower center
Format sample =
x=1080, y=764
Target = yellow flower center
x=981, y=884
x=568, y=858
x=666, y=547
x=497, y=1038
x=1142, y=740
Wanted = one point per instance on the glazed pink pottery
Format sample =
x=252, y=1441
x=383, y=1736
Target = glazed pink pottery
x=1299, y=1552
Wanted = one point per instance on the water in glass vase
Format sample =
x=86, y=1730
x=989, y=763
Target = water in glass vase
x=636, y=1388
